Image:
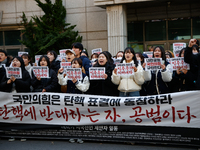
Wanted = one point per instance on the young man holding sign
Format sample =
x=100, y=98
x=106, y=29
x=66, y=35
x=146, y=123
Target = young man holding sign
x=78, y=48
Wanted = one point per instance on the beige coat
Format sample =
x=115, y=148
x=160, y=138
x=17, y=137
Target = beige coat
x=129, y=83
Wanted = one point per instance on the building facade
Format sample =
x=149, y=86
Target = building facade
x=111, y=24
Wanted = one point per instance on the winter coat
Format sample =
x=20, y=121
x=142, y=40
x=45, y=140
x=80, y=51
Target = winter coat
x=49, y=84
x=78, y=88
x=190, y=58
x=21, y=85
x=55, y=65
x=86, y=63
x=158, y=81
x=129, y=83
x=104, y=87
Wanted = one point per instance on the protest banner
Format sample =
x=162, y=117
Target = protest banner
x=172, y=118
x=125, y=69
x=14, y=71
x=153, y=63
x=177, y=48
x=149, y=54
x=72, y=73
x=41, y=71
x=21, y=53
x=37, y=58
x=97, y=73
x=178, y=63
x=97, y=50
x=62, y=52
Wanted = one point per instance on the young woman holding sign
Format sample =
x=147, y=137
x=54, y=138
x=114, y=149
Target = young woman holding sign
x=45, y=84
x=105, y=86
x=74, y=86
x=17, y=85
x=158, y=81
x=129, y=84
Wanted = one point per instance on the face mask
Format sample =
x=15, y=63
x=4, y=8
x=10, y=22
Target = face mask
x=195, y=53
x=94, y=59
x=119, y=57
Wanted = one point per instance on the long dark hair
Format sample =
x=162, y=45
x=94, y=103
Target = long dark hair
x=21, y=61
x=109, y=62
x=183, y=49
x=53, y=53
x=163, y=56
x=46, y=58
x=77, y=60
x=130, y=49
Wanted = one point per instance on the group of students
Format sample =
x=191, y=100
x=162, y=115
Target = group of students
x=141, y=83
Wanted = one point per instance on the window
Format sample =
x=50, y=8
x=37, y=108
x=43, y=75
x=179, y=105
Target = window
x=135, y=32
x=1, y=38
x=196, y=28
x=155, y=31
x=179, y=29
x=12, y=38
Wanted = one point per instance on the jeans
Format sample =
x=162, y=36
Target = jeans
x=129, y=94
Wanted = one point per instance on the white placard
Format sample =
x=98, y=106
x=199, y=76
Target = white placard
x=74, y=73
x=14, y=71
x=37, y=57
x=149, y=54
x=116, y=61
x=41, y=71
x=97, y=50
x=178, y=63
x=97, y=73
x=21, y=53
x=177, y=48
x=62, y=52
x=61, y=58
x=153, y=63
x=125, y=69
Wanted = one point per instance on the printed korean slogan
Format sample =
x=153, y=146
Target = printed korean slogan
x=170, y=118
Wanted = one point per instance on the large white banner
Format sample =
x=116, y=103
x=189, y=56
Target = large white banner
x=174, y=110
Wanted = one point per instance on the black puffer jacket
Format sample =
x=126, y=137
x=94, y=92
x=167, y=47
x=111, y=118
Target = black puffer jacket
x=104, y=87
x=49, y=84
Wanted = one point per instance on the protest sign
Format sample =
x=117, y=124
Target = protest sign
x=116, y=61
x=14, y=71
x=149, y=54
x=125, y=69
x=97, y=50
x=178, y=63
x=97, y=73
x=153, y=63
x=72, y=73
x=177, y=48
x=41, y=71
x=21, y=53
x=37, y=57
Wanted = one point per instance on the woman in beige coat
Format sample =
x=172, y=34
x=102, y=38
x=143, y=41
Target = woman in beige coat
x=129, y=85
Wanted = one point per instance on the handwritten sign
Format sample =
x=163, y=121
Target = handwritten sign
x=97, y=50
x=149, y=54
x=74, y=73
x=41, y=71
x=14, y=71
x=21, y=53
x=177, y=48
x=125, y=69
x=153, y=63
x=37, y=57
x=97, y=73
x=178, y=63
